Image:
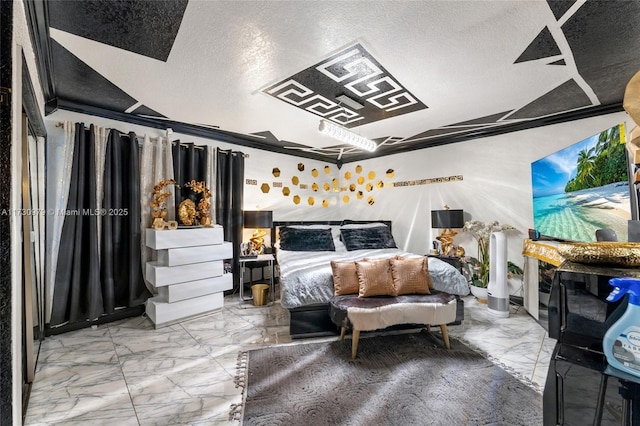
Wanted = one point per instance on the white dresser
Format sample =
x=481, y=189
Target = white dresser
x=189, y=273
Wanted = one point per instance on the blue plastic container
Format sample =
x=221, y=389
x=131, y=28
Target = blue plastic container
x=621, y=343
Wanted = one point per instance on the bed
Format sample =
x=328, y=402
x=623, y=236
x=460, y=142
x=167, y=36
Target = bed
x=304, y=254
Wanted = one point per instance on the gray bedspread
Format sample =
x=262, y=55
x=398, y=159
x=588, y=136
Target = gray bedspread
x=306, y=277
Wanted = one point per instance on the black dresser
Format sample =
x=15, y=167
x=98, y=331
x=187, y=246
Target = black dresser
x=581, y=389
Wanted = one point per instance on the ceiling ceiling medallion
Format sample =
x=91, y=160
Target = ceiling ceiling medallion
x=350, y=88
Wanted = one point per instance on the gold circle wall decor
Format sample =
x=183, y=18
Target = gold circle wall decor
x=295, y=180
x=327, y=169
x=300, y=167
x=360, y=180
x=369, y=187
x=380, y=184
x=345, y=199
x=359, y=195
x=296, y=199
x=325, y=203
x=276, y=172
x=390, y=173
x=311, y=201
x=335, y=182
x=314, y=172
x=326, y=187
x=358, y=169
x=314, y=187
x=265, y=188
x=370, y=201
x=347, y=175
x=286, y=191
x=352, y=187
x=371, y=175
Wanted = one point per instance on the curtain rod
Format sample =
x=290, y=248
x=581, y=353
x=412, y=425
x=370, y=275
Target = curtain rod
x=60, y=124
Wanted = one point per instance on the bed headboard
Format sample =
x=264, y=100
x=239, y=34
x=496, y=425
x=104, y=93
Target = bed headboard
x=276, y=225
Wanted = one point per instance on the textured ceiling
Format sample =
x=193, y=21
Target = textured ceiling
x=425, y=73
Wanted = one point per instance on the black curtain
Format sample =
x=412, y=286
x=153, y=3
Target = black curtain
x=189, y=163
x=229, y=200
x=121, y=270
x=77, y=294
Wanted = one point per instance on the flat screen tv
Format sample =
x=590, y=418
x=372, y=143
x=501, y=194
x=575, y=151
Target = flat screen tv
x=582, y=188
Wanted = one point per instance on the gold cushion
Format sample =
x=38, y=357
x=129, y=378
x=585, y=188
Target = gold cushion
x=374, y=277
x=345, y=278
x=411, y=275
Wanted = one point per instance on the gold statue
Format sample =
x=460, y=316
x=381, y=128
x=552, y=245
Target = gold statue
x=204, y=206
x=187, y=212
x=159, y=206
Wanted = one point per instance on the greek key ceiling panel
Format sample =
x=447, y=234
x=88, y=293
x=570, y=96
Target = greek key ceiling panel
x=354, y=73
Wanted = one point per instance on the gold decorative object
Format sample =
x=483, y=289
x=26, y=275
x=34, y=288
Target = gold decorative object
x=347, y=175
x=276, y=172
x=327, y=169
x=295, y=180
x=265, y=188
x=286, y=191
x=301, y=167
x=159, y=206
x=345, y=199
x=360, y=180
x=187, y=212
x=314, y=187
x=325, y=203
x=352, y=187
x=390, y=173
x=370, y=201
x=371, y=175
x=369, y=187
x=602, y=253
x=335, y=182
x=311, y=201
x=203, y=214
x=296, y=199
x=358, y=169
x=326, y=187
x=359, y=195
x=314, y=172
x=380, y=184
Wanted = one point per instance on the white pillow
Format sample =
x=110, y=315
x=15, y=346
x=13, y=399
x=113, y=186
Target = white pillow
x=362, y=225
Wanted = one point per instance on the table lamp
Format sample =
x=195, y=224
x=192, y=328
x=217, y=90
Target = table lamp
x=446, y=220
x=258, y=219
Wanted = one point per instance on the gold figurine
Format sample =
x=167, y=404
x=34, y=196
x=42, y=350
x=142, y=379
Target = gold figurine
x=204, y=206
x=159, y=206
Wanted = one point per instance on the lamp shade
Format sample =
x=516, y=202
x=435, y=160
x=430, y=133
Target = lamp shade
x=447, y=219
x=258, y=218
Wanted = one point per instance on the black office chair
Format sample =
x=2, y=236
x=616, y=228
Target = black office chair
x=606, y=235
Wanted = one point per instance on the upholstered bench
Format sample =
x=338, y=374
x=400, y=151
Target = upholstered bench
x=374, y=313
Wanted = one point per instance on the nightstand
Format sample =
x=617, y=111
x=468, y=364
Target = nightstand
x=259, y=261
x=451, y=260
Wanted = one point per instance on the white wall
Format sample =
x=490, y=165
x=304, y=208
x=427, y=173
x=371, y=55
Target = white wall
x=496, y=182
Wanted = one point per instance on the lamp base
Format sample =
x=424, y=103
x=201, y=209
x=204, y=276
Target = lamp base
x=446, y=240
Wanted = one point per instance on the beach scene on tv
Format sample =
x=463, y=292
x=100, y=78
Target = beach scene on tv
x=583, y=188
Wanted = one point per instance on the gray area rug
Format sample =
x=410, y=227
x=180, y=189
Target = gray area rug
x=406, y=379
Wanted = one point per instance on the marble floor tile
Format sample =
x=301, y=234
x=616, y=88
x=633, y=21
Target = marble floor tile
x=129, y=373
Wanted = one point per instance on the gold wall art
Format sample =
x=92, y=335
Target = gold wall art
x=187, y=212
x=362, y=182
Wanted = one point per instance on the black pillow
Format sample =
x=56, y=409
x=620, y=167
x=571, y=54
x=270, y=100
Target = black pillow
x=378, y=237
x=297, y=239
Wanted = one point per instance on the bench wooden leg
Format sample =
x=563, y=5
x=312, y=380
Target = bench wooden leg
x=428, y=327
x=343, y=331
x=354, y=343
x=445, y=336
